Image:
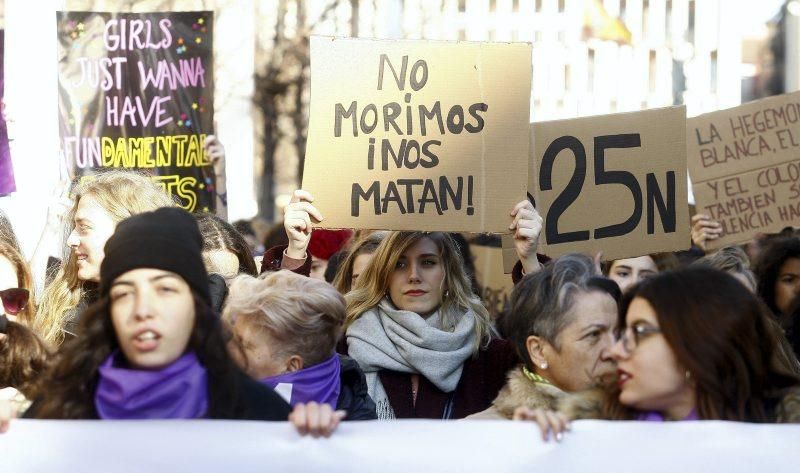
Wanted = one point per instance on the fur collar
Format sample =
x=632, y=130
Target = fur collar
x=520, y=391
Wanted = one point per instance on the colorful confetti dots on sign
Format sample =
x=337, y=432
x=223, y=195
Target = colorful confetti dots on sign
x=198, y=40
x=201, y=21
x=180, y=40
x=194, y=106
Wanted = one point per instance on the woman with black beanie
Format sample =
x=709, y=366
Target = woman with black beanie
x=151, y=347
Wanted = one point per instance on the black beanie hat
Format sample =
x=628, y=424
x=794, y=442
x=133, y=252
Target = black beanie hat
x=167, y=238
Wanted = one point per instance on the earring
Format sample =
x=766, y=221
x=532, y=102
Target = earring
x=688, y=375
x=543, y=366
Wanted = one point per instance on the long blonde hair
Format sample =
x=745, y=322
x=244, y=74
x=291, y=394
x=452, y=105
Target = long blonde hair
x=372, y=285
x=121, y=194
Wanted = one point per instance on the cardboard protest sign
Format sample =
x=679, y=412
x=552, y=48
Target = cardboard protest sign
x=745, y=167
x=136, y=93
x=418, y=135
x=496, y=285
x=613, y=183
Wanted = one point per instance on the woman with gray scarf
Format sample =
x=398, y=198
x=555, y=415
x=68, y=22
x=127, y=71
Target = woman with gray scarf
x=423, y=339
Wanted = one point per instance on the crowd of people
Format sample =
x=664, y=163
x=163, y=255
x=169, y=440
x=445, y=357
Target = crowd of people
x=154, y=313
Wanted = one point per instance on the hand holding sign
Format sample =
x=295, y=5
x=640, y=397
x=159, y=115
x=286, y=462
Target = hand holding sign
x=745, y=168
x=527, y=225
x=704, y=229
x=298, y=220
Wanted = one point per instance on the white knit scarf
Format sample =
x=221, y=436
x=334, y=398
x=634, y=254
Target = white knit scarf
x=388, y=338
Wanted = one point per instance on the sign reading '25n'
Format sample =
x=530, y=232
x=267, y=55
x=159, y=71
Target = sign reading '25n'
x=612, y=183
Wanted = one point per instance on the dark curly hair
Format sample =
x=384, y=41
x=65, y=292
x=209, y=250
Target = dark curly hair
x=23, y=358
x=769, y=264
x=69, y=386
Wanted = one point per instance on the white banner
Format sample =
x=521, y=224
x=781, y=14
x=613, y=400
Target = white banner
x=401, y=446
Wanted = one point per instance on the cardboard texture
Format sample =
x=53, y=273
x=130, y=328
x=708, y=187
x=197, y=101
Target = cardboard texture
x=509, y=252
x=613, y=183
x=370, y=165
x=745, y=167
x=495, y=283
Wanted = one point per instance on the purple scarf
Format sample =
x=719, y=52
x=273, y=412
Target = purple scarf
x=178, y=391
x=319, y=383
x=654, y=416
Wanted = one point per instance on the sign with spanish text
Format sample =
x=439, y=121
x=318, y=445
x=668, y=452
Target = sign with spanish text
x=745, y=167
x=418, y=135
x=612, y=183
x=136, y=92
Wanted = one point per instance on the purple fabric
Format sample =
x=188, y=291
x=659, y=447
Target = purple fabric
x=178, y=391
x=7, y=184
x=319, y=383
x=654, y=416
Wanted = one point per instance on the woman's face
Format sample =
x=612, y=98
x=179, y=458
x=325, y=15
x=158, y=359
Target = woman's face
x=650, y=377
x=318, y=267
x=630, y=271
x=8, y=280
x=258, y=356
x=787, y=286
x=93, y=227
x=416, y=284
x=360, y=264
x=153, y=315
x=583, y=358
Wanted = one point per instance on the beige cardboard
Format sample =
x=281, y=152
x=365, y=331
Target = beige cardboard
x=491, y=162
x=509, y=253
x=662, y=138
x=738, y=154
x=495, y=284
x=761, y=201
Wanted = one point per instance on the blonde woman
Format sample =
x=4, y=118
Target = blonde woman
x=100, y=204
x=422, y=337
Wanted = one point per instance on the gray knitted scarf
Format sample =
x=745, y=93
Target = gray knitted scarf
x=398, y=340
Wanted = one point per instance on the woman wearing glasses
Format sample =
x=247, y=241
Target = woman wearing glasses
x=693, y=346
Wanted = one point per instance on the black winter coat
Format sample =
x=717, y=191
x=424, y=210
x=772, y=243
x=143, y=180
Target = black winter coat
x=353, y=396
x=258, y=402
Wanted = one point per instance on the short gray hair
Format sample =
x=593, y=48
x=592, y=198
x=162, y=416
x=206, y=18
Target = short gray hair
x=730, y=259
x=541, y=302
x=303, y=316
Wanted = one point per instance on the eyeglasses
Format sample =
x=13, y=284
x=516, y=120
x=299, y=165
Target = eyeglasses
x=634, y=334
x=14, y=300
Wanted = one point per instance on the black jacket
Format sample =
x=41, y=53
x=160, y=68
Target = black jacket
x=353, y=396
x=257, y=402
